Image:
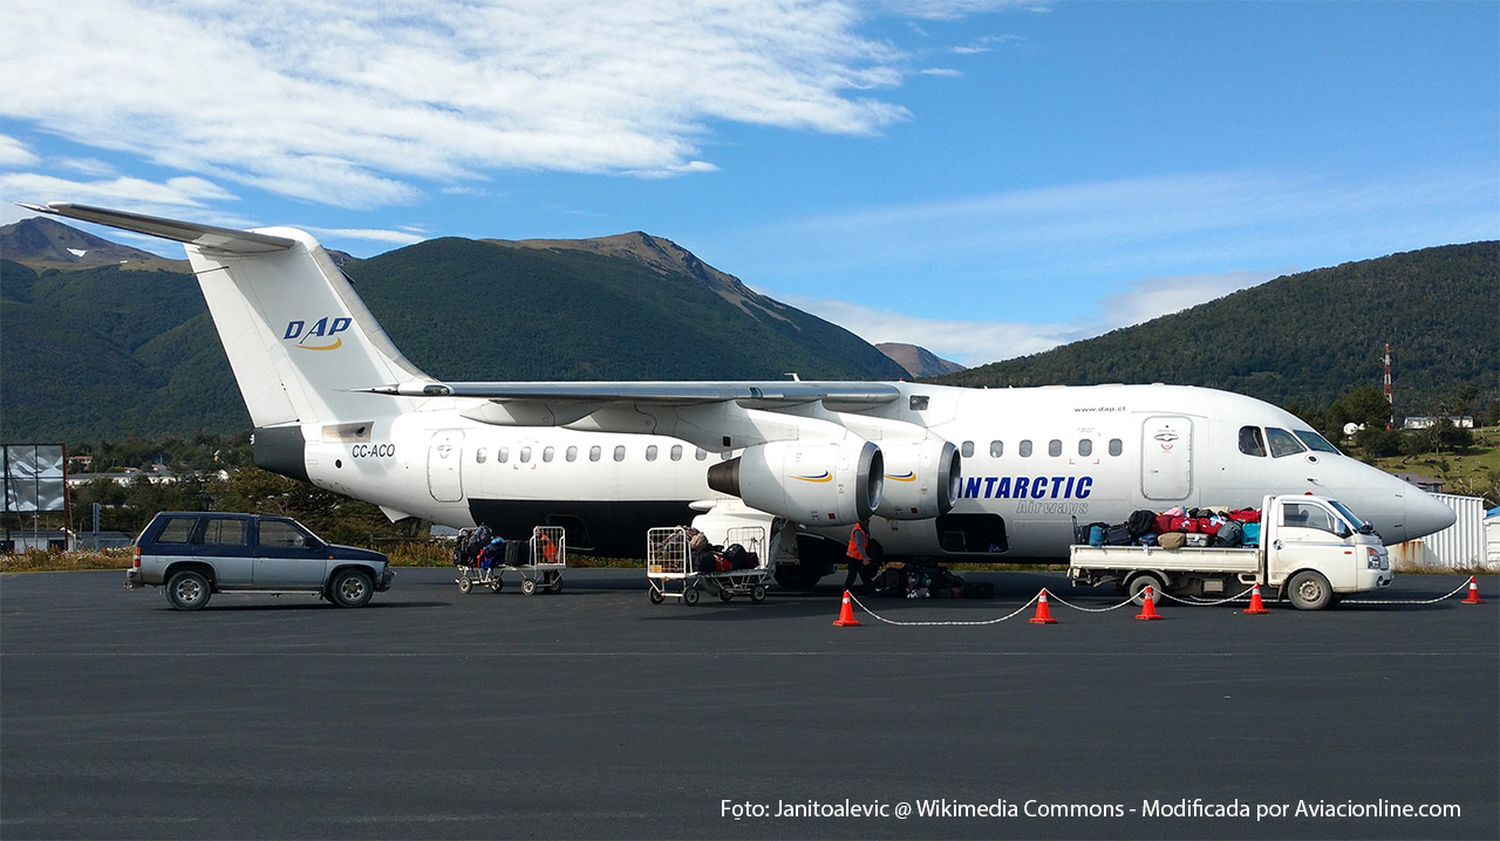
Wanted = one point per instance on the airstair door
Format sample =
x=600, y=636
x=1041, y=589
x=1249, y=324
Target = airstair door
x=444, y=457
x=1167, y=457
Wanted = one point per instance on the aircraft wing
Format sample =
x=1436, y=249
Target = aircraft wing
x=769, y=394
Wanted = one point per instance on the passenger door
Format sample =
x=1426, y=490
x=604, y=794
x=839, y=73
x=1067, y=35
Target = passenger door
x=225, y=543
x=1166, y=457
x=288, y=557
x=444, y=457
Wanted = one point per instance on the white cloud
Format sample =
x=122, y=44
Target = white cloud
x=86, y=166
x=974, y=343
x=138, y=194
x=373, y=234
x=14, y=153
x=945, y=72
x=355, y=104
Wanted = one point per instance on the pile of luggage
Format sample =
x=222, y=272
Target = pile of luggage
x=708, y=558
x=919, y=581
x=1176, y=528
x=480, y=548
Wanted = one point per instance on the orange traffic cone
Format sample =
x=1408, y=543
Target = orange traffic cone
x=1256, y=605
x=1473, y=597
x=846, y=614
x=1043, y=612
x=1148, y=608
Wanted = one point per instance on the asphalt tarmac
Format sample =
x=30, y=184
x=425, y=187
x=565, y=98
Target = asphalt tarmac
x=592, y=713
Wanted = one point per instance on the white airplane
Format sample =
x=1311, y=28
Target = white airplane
x=956, y=473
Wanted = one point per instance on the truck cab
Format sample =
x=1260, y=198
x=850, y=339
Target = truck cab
x=1316, y=549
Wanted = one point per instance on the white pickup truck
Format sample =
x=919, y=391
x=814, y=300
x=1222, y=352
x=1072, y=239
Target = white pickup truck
x=1312, y=551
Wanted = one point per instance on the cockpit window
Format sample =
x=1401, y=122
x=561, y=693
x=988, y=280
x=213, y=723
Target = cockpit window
x=1314, y=441
x=1251, y=442
x=1283, y=443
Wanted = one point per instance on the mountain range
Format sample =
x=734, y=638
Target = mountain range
x=1308, y=338
x=101, y=340
x=122, y=343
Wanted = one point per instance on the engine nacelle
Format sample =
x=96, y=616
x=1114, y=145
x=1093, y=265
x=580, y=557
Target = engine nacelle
x=923, y=479
x=812, y=483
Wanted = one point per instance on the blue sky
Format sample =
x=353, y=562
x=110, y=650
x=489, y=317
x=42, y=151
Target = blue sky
x=983, y=178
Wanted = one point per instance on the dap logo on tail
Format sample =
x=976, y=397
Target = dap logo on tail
x=322, y=335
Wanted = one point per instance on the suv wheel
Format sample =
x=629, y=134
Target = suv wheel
x=352, y=588
x=188, y=590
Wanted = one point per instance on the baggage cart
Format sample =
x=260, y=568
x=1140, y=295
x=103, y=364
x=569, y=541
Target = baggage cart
x=538, y=561
x=670, y=572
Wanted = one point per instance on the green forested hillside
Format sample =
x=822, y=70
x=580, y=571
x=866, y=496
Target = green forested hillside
x=103, y=352
x=1308, y=338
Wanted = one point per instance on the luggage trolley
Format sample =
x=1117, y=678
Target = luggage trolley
x=670, y=572
x=545, y=557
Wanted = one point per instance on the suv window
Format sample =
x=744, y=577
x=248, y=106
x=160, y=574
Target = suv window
x=283, y=535
x=224, y=531
x=177, y=530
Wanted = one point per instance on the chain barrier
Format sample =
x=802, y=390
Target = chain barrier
x=1459, y=589
x=1052, y=597
x=1013, y=614
x=1082, y=609
x=1243, y=596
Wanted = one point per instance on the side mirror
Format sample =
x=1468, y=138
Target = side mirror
x=1366, y=528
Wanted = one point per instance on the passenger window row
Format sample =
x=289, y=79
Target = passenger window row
x=502, y=454
x=1054, y=448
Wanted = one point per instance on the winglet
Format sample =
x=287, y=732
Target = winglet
x=203, y=236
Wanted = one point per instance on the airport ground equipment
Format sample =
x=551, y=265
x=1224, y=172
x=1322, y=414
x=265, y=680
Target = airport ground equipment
x=541, y=568
x=670, y=573
x=1313, y=550
x=195, y=554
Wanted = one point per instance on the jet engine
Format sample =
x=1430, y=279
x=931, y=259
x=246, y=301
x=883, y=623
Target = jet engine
x=812, y=483
x=922, y=479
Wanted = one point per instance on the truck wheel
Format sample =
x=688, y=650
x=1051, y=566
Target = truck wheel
x=352, y=588
x=188, y=590
x=1309, y=590
x=1137, y=588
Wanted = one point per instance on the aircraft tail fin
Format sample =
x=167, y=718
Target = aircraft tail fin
x=298, y=337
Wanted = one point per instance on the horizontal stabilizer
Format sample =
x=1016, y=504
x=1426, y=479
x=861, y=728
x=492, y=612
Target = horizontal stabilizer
x=203, y=236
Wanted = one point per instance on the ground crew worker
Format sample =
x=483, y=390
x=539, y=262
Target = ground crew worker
x=858, y=554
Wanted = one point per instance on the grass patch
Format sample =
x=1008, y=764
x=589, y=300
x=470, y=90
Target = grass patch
x=117, y=559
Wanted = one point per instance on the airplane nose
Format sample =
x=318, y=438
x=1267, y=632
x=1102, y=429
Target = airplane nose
x=1426, y=514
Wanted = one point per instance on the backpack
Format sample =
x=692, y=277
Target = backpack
x=1230, y=534
x=1140, y=522
x=1117, y=535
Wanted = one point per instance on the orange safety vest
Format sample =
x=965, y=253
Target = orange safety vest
x=856, y=551
x=549, y=549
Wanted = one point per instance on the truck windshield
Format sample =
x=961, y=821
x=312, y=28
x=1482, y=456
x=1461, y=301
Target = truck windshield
x=1314, y=441
x=1353, y=522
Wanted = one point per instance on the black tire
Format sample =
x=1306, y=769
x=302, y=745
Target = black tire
x=528, y=586
x=465, y=585
x=188, y=590
x=1308, y=590
x=655, y=595
x=758, y=593
x=726, y=596
x=690, y=596
x=554, y=582
x=1137, y=588
x=351, y=588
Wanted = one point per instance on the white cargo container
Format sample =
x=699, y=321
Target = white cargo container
x=1460, y=546
x=1312, y=550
